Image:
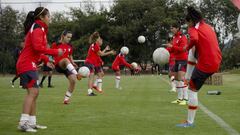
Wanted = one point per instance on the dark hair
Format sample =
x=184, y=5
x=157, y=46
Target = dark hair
x=176, y=25
x=32, y=16
x=193, y=15
x=93, y=38
x=65, y=32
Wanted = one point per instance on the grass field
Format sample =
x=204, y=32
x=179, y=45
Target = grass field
x=142, y=107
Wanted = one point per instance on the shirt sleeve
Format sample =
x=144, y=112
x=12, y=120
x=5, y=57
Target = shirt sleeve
x=123, y=61
x=38, y=43
x=193, y=37
x=182, y=44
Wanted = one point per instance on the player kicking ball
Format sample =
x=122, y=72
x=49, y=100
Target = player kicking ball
x=120, y=60
x=203, y=37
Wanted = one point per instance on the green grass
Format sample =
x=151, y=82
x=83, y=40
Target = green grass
x=142, y=107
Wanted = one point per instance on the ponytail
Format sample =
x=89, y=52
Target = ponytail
x=32, y=16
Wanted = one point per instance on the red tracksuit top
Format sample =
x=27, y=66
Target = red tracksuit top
x=93, y=57
x=67, y=49
x=35, y=47
x=179, y=42
x=171, y=60
x=120, y=60
x=203, y=37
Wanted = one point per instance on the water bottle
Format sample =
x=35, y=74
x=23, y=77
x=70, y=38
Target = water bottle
x=214, y=92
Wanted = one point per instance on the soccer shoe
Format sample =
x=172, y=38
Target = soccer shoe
x=92, y=94
x=25, y=127
x=183, y=102
x=50, y=86
x=98, y=90
x=173, y=90
x=120, y=88
x=12, y=84
x=185, y=125
x=176, y=101
x=66, y=101
x=38, y=127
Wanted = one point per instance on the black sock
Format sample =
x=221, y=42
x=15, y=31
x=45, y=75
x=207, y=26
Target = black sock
x=43, y=78
x=14, y=79
x=49, y=80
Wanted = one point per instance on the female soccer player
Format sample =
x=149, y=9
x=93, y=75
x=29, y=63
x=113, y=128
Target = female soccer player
x=47, y=71
x=36, y=29
x=177, y=47
x=171, y=64
x=203, y=37
x=94, y=62
x=120, y=60
x=64, y=64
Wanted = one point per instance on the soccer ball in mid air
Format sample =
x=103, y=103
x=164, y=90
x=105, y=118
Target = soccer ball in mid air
x=161, y=56
x=124, y=50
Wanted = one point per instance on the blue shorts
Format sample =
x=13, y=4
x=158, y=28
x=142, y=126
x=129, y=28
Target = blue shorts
x=94, y=69
x=29, y=79
x=180, y=65
x=197, y=79
x=64, y=71
x=45, y=68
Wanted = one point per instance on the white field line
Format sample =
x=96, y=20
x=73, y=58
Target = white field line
x=213, y=116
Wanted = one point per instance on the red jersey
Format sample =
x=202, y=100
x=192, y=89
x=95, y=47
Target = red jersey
x=172, y=57
x=203, y=37
x=179, y=42
x=120, y=60
x=67, y=49
x=35, y=46
x=93, y=57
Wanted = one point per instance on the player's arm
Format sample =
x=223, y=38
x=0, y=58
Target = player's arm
x=193, y=38
x=125, y=63
x=71, y=60
x=37, y=37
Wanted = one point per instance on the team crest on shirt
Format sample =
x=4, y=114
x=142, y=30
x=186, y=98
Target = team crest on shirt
x=34, y=65
x=69, y=49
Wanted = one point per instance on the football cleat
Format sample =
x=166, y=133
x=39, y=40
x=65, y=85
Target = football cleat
x=25, y=127
x=185, y=125
x=66, y=101
x=176, y=101
x=92, y=94
x=98, y=90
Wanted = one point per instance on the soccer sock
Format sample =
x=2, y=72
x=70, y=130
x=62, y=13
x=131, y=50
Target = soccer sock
x=14, y=79
x=24, y=118
x=173, y=84
x=117, y=81
x=95, y=82
x=43, y=78
x=184, y=90
x=179, y=90
x=67, y=95
x=192, y=105
x=71, y=68
x=32, y=120
x=90, y=91
x=99, y=84
x=49, y=80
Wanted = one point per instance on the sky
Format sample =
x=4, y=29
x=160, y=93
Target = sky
x=53, y=5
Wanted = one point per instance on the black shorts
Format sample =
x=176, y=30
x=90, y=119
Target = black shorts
x=29, y=79
x=180, y=65
x=64, y=71
x=94, y=69
x=197, y=79
x=46, y=68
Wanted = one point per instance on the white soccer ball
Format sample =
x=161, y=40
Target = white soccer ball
x=161, y=56
x=141, y=39
x=134, y=64
x=124, y=50
x=84, y=71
